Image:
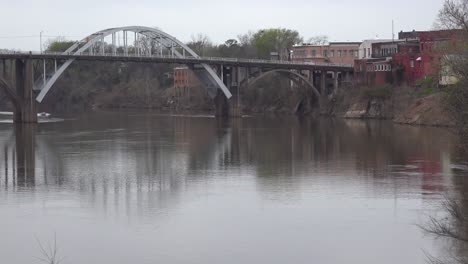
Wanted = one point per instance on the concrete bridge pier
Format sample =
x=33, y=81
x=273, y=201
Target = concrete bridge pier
x=323, y=82
x=25, y=103
x=235, y=107
x=336, y=82
x=221, y=105
x=224, y=108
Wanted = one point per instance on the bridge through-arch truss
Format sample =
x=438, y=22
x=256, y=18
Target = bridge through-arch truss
x=147, y=42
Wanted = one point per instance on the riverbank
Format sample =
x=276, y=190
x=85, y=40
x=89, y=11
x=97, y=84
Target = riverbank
x=403, y=105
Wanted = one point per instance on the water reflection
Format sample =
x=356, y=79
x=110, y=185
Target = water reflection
x=19, y=157
x=197, y=174
x=171, y=147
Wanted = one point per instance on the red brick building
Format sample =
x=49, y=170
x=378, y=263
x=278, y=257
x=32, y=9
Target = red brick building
x=373, y=71
x=184, y=79
x=415, y=56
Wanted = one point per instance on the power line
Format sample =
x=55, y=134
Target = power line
x=37, y=36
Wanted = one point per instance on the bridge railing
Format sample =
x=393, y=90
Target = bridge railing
x=191, y=58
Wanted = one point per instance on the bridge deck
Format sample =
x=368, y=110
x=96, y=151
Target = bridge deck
x=184, y=60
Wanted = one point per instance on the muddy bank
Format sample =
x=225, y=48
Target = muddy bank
x=403, y=105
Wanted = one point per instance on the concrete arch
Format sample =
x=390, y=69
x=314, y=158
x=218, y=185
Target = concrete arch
x=165, y=40
x=291, y=75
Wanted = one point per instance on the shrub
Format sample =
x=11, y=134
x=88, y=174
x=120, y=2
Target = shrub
x=379, y=92
x=426, y=82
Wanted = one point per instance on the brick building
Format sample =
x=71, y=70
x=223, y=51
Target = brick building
x=416, y=55
x=184, y=80
x=334, y=52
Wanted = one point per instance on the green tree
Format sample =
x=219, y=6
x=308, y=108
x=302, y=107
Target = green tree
x=279, y=40
x=58, y=44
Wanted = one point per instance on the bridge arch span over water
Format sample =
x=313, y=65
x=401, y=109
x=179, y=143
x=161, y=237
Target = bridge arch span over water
x=147, y=41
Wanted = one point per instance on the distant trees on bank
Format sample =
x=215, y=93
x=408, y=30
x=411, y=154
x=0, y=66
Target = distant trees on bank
x=259, y=44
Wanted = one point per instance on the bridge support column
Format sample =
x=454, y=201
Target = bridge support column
x=235, y=108
x=225, y=108
x=335, y=82
x=221, y=105
x=323, y=82
x=25, y=109
x=348, y=78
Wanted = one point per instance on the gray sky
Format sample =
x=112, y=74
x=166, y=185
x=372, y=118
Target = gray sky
x=342, y=20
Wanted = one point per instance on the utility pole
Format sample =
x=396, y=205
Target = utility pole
x=40, y=40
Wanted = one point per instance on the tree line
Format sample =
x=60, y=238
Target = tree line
x=259, y=44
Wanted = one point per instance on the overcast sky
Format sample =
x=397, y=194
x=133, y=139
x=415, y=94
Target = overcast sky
x=342, y=20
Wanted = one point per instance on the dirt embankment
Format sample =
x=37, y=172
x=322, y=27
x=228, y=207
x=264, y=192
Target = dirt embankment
x=402, y=105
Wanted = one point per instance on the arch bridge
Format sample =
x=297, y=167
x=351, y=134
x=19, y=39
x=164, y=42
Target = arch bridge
x=27, y=85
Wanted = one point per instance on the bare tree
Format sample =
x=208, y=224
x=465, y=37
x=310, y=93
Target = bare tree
x=246, y=39
x=454, y=15
x=318, y=40
x=49, y=252
x=453, y=226
x=200, y=43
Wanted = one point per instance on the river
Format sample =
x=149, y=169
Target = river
x=137, y=187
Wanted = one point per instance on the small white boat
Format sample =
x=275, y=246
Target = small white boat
x=43, y=114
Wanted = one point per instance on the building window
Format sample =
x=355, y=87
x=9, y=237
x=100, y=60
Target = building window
x=339, y=54
x=345, y=53
x=368, y=52
x=325, y=53
x=412, y=63
x=356, y=53
x=314, y=53
x=332, y=53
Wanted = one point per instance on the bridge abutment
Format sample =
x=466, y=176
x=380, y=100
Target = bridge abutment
x=25, y=107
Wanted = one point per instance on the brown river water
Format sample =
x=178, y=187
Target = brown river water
x=139, y=187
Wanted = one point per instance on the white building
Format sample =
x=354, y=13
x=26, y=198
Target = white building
x=365, y=49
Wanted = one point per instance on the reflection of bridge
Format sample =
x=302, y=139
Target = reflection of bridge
x=222, y=76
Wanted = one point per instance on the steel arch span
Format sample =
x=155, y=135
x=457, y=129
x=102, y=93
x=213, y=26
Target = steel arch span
x=291, y=75
x=159, y=42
